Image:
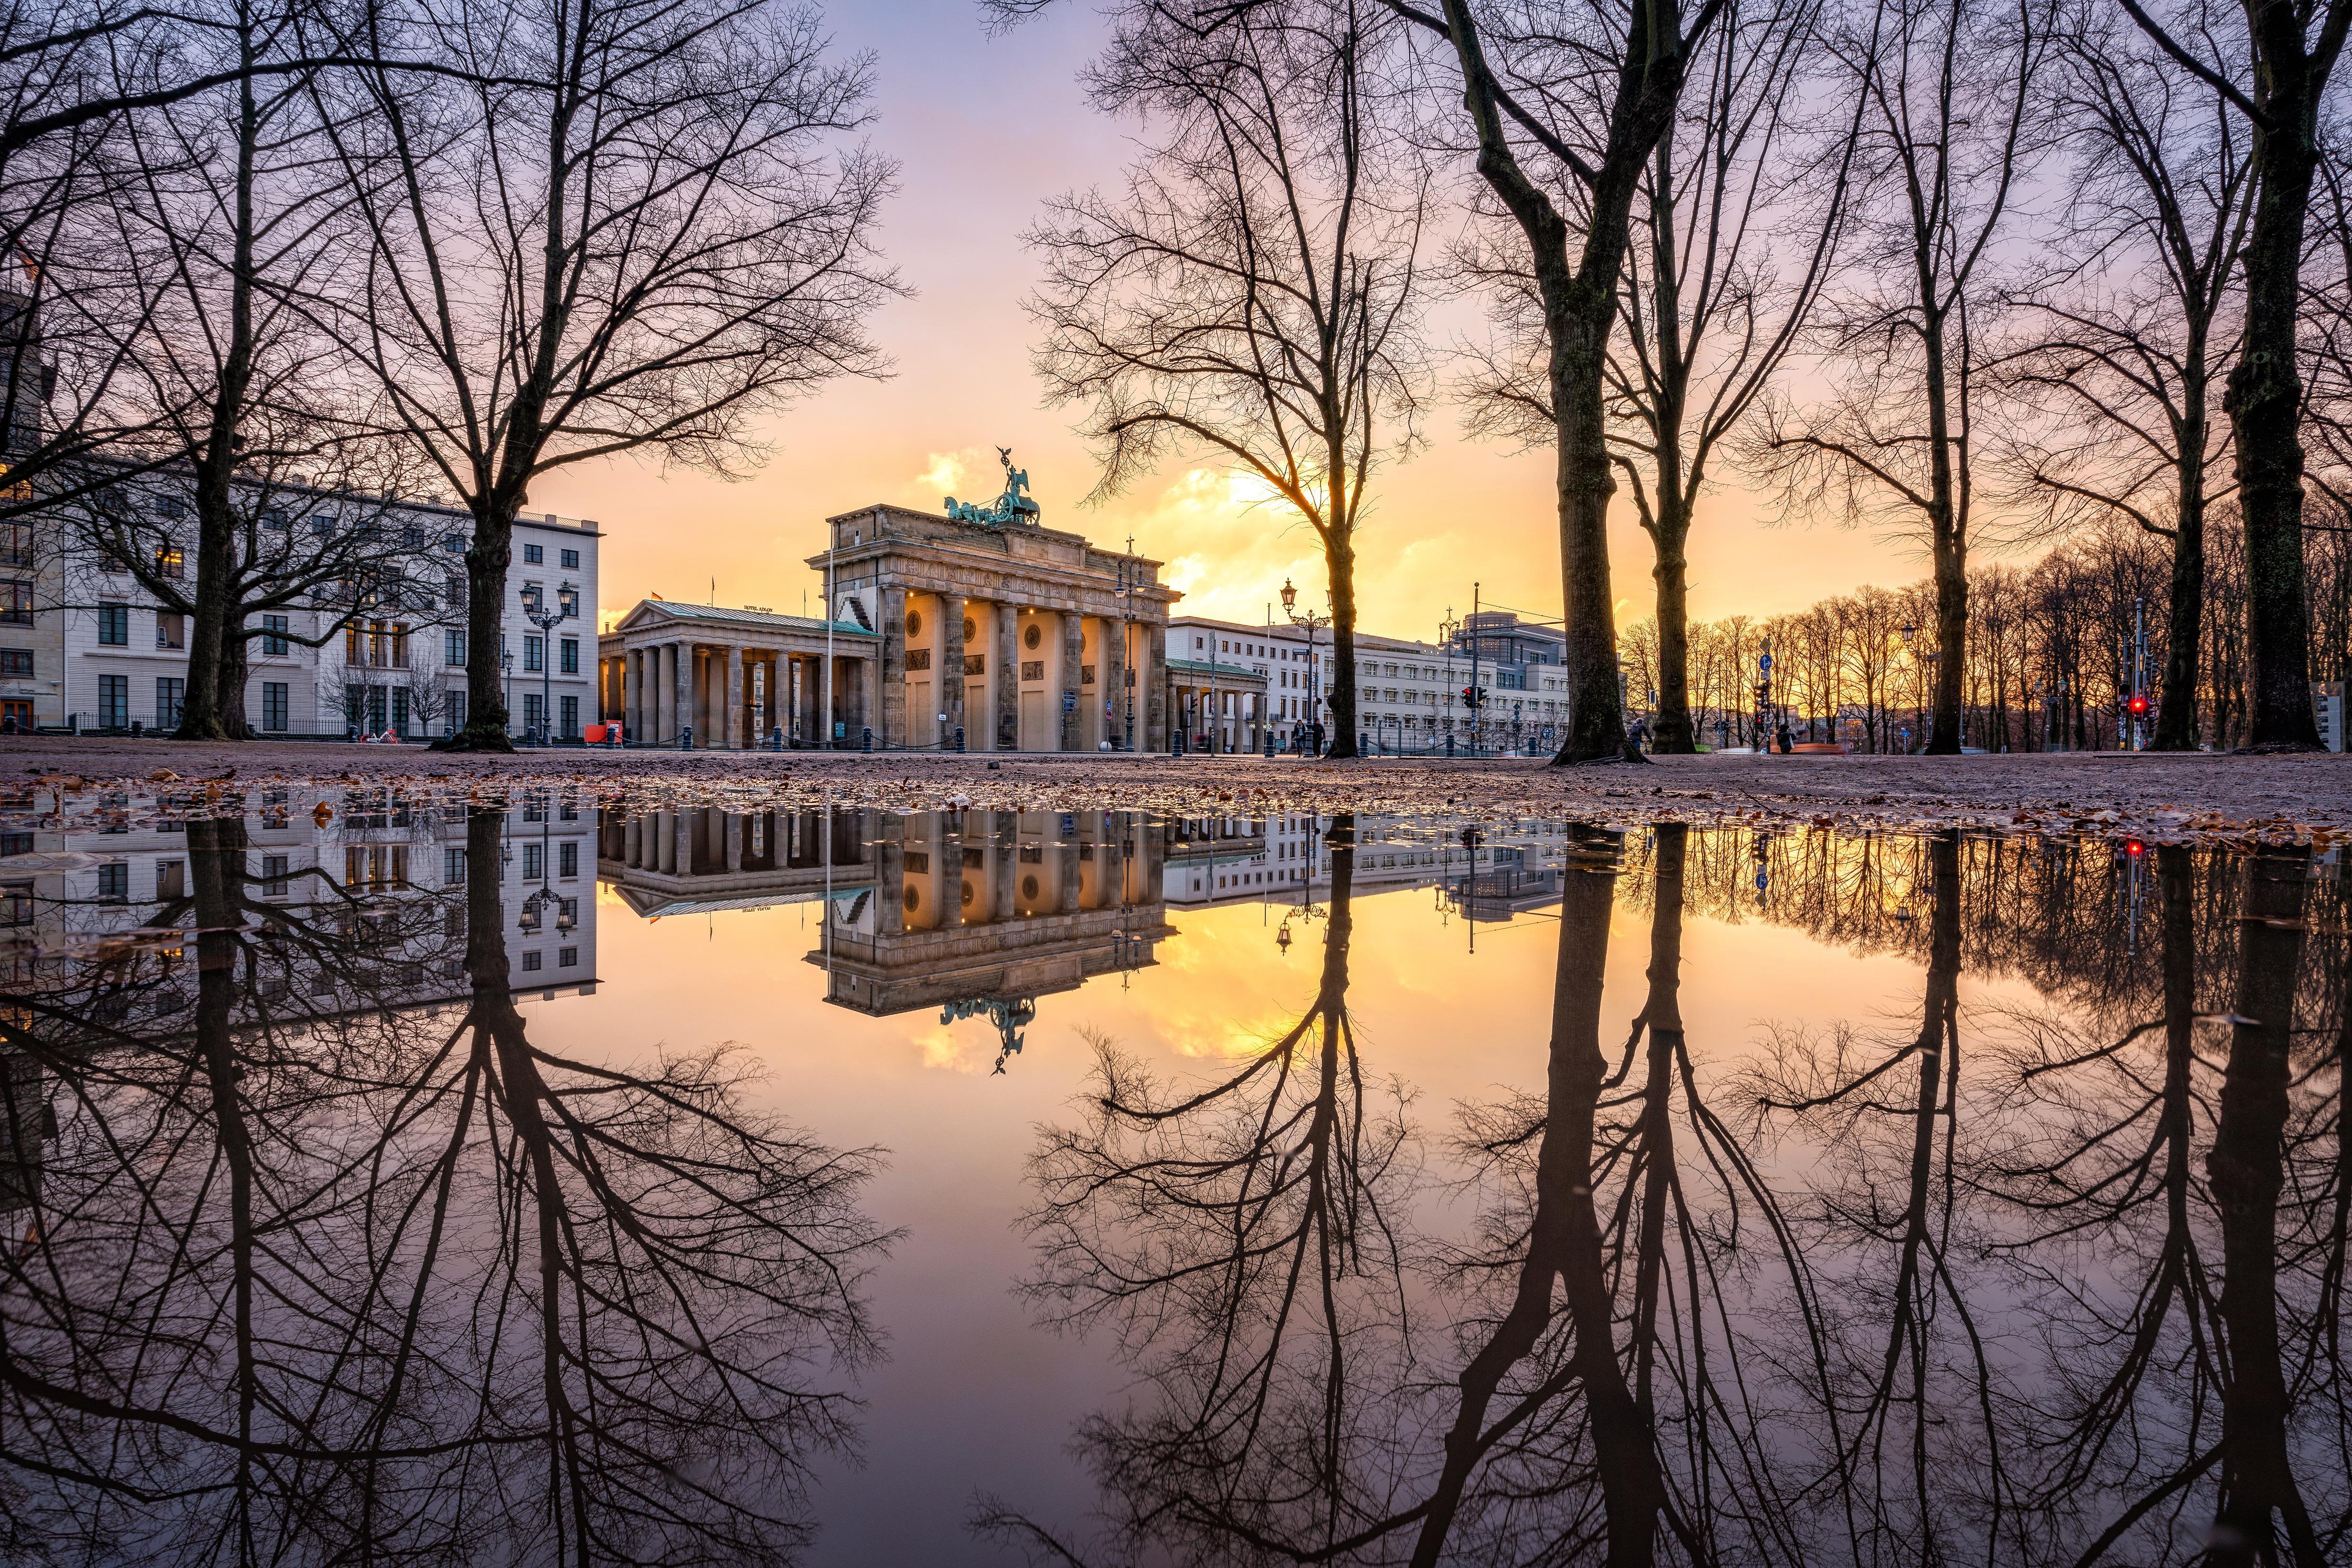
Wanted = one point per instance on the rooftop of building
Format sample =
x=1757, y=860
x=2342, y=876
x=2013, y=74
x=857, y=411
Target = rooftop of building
x=746, y=616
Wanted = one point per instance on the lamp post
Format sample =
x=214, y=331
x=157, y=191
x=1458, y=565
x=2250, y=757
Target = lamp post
x=1310, y=621
x=535, y=611
x=505, y=679
x=1918, y=707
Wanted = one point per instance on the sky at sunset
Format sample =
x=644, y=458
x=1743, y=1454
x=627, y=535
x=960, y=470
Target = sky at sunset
x=984, y=129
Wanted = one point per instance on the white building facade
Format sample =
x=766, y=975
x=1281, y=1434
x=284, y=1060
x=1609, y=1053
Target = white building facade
x=117, y=661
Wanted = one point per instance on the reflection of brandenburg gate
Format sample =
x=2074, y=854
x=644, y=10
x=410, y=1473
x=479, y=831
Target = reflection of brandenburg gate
x=997, y=907
x=689, y=862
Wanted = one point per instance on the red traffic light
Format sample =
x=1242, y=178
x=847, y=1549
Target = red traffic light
x=2138, y=704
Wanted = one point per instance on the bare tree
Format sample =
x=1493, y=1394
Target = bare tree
x=1254, y=293
x=2128, y=340
x=1946, y=127
x=2290, y=52
x=1710, y=313
x=1603, y=84
x=631, y=230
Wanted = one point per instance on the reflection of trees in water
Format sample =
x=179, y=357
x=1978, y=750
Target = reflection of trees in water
x=2181, y=1182
x=2077, y=919
x=2054, y=1285
x=1242, y=1239
x=382, y=1286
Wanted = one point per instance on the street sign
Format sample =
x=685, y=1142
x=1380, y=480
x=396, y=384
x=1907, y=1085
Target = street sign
x=1764, y=661
x=1069, y=702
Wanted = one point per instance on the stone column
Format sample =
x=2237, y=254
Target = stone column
x=1151, y=688
x=949, y=681
x=656, y=695
x=1112, y=690
x=1073, y=629
x=665, y=855
x=734, y=841
x=631, y=693
x=632, y=836
x=1007, y=684
x=731, y=734
x=892, y=730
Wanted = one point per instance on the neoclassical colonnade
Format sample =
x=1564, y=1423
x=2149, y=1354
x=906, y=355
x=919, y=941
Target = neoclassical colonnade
x=1010, y=677
x=1218, y=707
x=1014, y=638
x=736, y=678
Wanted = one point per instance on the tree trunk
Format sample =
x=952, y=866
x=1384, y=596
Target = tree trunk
x=1582, y=318
x=487, y=561
x=2265, y=402
x=2176, y=716
x=1339, y=562
x=235, y=668
x=1673, y=733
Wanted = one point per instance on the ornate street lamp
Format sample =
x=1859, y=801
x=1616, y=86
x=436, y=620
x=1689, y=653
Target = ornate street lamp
x=536, y=612
x=1310, y=621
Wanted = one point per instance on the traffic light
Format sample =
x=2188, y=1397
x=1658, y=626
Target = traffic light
x=2139, y=705
x=1474, y=697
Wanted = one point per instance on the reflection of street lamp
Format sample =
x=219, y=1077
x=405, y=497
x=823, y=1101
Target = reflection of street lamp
x=1311, y=620
x=535, y=611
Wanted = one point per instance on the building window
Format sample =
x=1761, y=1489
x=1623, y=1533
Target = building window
x=273, y=876
x=534, y=653
x=567, y=858
x=273, y=704
x=453, y=866
x=567, y=957
x=531, y=960
x=15, y=604
x=273, y=636
x=571, y=709
x=453, y=592
x=456, y=712
x=170, y=629
x=170, y=561
x=16, y=664
x=534, y=710
x=572, y=561
x=114, y=702
x=534, y=863
x=570, y=650
x=170, y=697
x=114, y=878
x=453, y=649
x=532, y=555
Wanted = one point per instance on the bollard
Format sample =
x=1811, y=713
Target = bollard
x=959, y=737
x=686, y=737
x=866, y=733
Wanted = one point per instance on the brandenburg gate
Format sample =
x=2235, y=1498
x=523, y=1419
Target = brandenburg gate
x=981, y=628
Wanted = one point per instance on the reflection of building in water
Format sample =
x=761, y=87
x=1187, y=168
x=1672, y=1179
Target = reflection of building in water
x=354, y=906
x=980, y=913
x=1286, y=859
x=114, y=867
x=701, y=860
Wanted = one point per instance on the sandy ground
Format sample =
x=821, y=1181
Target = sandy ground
x=2163, y=798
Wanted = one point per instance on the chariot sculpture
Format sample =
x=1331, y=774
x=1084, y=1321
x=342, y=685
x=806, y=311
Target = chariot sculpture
x=1013, y=507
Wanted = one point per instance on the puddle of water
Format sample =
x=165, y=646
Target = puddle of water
x=397, y=1178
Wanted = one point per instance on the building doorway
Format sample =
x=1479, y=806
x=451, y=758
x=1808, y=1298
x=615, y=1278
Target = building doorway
x=1034, y=736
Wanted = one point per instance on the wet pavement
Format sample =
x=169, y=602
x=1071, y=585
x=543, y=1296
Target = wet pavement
x=396, y=1175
